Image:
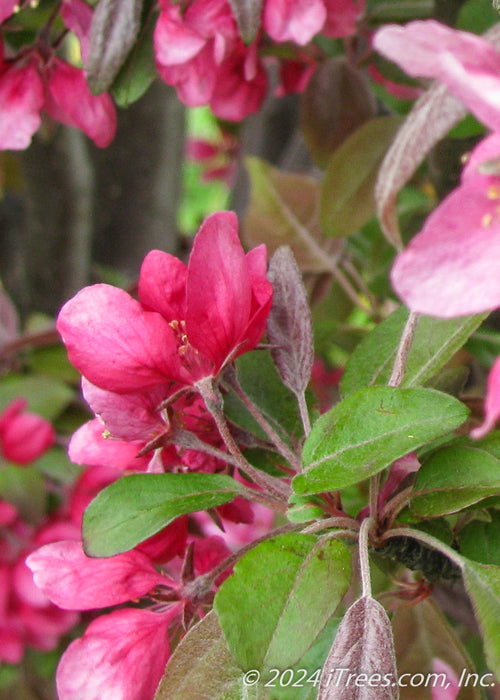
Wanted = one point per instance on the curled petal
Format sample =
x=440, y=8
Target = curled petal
x=73, y=581
x=162, y=285
x=89, y=447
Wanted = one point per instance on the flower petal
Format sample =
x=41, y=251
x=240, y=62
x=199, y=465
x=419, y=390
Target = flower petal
x=491, y=403
x=467, y=64
x=452, y=267
x=121, y=656
x=162, y=285
x=294, y=20
x=219, y=293
x=21, y=99
x=73, y=581
x=115, y=343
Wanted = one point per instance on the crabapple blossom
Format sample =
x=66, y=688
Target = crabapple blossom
x=191, y=320
x=24, y=436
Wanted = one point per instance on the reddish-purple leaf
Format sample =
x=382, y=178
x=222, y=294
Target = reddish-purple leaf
x=114, y=29
x=289, y=327
x=361, y=664
x=248, y=16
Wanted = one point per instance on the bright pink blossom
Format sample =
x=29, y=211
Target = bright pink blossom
x=190, y=320
x=24, y=436
x=452, y=267
x=300, y=20
x=467, y=64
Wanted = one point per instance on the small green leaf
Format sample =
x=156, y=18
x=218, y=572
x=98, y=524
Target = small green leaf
x=202, y=667
x=369, y=430
x=347, y=199
x=139, y=70
x=262, y=606
x=434, y=343
x=480, y=539
x=454, y=477
x=259, y=379
x=140, y=505
x=483, y=586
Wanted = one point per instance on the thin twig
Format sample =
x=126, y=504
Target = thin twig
x=364, y=561
x=304, y=413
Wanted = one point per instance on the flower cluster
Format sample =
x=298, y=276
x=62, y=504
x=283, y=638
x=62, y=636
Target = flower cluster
x=144, y=362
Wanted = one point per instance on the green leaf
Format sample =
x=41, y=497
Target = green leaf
x=201, y=667
x=25, y=489
x=259, y=379
x=434, y=343
x=347, y=199
x=45, y=396
x=483, y=586
x=139, y=70
x=370, y=429
x=480, y=539
x=456, y=476
x=55, y=465
x=280, y=597
x=140, y=505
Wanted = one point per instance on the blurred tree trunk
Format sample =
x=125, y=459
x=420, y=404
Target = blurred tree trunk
x=84, y=205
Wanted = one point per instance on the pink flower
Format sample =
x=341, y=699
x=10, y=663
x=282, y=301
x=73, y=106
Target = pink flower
x=24, y=436
x=27, y=617
x=452, y=267
x=449, y=689
x=491, y=403
x=292, y=20
x=190, y=320
x=121, y=656
x=300, y=20
x=38, y=80
x=200, y=52
x=467, y=64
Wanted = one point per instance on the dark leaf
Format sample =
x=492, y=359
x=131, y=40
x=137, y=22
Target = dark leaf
x=363, y=650
x=247, y=13
x=336, y=101
x=114, y=29
x=289, y=326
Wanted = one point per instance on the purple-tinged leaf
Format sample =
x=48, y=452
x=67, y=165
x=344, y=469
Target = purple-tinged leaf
x=361, y=664
x=336, y=102
x=248, y=16
x=289, y=326
x=432, y=116
x=114, y=29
